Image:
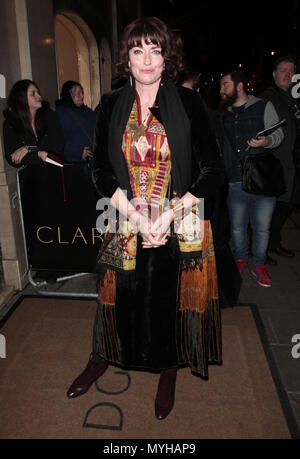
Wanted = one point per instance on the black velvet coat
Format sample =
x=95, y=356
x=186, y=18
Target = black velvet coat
x=206, y=168
x=207, y=181
x=51, y=139
x=142, y=329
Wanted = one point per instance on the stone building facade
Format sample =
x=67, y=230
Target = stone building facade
x=32, y=38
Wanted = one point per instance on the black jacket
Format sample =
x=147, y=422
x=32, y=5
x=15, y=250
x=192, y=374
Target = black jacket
x=282, y=102
x=206, y=166
x=52, y=141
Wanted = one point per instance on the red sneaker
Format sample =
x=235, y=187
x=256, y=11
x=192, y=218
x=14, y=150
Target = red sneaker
x=241, y=265
x=262, y=276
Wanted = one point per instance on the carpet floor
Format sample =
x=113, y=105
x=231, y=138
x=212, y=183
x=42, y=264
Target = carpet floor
x=48, y=342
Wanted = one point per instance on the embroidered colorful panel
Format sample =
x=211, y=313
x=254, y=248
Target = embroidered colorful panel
x=148, y=159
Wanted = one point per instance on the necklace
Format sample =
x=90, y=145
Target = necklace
x=146, y=118
x=140, y=130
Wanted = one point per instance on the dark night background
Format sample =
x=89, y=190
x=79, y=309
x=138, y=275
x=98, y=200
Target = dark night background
x=217, y=36
x=233, y=32
x=220, y=36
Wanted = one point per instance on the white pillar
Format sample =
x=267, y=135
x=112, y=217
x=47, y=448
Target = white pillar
x=23, y=38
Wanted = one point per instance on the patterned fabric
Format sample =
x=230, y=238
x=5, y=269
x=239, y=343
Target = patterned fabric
x=149, y=163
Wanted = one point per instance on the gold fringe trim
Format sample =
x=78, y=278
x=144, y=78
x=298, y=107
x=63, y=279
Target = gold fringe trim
x=107, y=291
x=199, y=286
x=199, y=338
x=105, y=340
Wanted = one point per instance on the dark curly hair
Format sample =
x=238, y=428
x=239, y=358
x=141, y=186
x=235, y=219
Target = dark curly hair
x=155, y=31
x=18, y=111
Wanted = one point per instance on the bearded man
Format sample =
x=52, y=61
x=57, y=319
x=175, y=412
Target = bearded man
x=242, y=116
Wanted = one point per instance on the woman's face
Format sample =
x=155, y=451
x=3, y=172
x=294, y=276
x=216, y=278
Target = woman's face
x=77, y=95
x=146, y=63
x=34, y=98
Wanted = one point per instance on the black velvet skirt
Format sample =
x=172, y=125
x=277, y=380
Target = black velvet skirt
x=141, y=329
x=148, y=322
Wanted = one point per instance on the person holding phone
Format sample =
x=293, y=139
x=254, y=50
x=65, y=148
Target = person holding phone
x=78, y=122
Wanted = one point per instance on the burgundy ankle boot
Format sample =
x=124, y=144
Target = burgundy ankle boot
x=83, y=382
x=164, y=400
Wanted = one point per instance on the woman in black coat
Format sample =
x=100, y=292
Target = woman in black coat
x=31, y=130
x=157, y=162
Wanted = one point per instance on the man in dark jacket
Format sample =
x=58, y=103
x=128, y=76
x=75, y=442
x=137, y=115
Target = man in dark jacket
x=289, y=108
x=242, y=117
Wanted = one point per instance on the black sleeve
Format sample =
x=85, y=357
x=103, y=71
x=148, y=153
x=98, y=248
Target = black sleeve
x=207, y=172
x=13, y=141
x=104, y=177
x=296, y=153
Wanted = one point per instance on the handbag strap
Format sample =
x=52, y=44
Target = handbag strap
x=81, y=126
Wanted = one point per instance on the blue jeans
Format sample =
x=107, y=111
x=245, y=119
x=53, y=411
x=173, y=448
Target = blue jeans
x=245, y=208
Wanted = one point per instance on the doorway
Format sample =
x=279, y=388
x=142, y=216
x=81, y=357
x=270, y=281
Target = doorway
x=77, y=55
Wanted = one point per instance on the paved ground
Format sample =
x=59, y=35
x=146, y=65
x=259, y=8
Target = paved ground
x=277, y=312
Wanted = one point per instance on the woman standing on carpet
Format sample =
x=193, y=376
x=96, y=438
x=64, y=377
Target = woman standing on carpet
x=158, y=297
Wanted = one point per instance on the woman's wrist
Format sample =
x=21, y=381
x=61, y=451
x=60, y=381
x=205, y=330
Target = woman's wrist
x=177, y=210
x=134, y=217
x=184, y=204
x=42, y=155
x=172, y=213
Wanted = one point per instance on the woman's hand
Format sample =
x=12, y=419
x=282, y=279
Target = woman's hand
x=159, y=230
x=143, y=225
x=150, y=239
x=142, y=222
x=43, y=155
x=153, y=242
x=18, y=155
x=162, y=225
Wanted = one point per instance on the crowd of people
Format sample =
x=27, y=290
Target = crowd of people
x=157, y=151
x=264, y=210
x=32, y=130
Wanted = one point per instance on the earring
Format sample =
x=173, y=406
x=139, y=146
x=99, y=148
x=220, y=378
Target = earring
x=130, y=79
